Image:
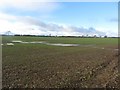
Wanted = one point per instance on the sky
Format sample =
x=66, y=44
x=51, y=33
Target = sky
x=59, y=18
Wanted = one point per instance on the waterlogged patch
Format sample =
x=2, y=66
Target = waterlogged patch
x=116, y=49
x=34, y=42
x=103, y=48
x=59, y=44
x=53, y=44
x=9, y=44
x=24, y=42
x=16, y=41
x=37, y=42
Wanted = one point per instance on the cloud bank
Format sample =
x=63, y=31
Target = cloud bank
x=30, y=25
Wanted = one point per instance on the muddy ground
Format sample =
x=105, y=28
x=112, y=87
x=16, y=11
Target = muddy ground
x=92, y=69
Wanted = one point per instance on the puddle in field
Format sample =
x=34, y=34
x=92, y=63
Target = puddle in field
x=33, y=42
x=116, y=49
x=9, y=44
x=60, y=44
x=16, y=41
x=43, y=42
x=53, y=44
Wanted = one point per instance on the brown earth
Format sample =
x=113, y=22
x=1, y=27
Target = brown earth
x=93, y=69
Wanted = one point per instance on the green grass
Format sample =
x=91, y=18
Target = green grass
x=96, y=41
x=21, y=52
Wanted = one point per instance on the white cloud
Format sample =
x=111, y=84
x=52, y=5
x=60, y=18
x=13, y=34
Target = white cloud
x=44, y=6
x=4, y=16
x=30, y=25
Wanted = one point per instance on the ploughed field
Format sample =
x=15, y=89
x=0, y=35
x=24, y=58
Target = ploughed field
x=92, y=63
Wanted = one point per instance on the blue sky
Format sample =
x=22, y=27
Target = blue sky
x=59, y=18
x=86, y=13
